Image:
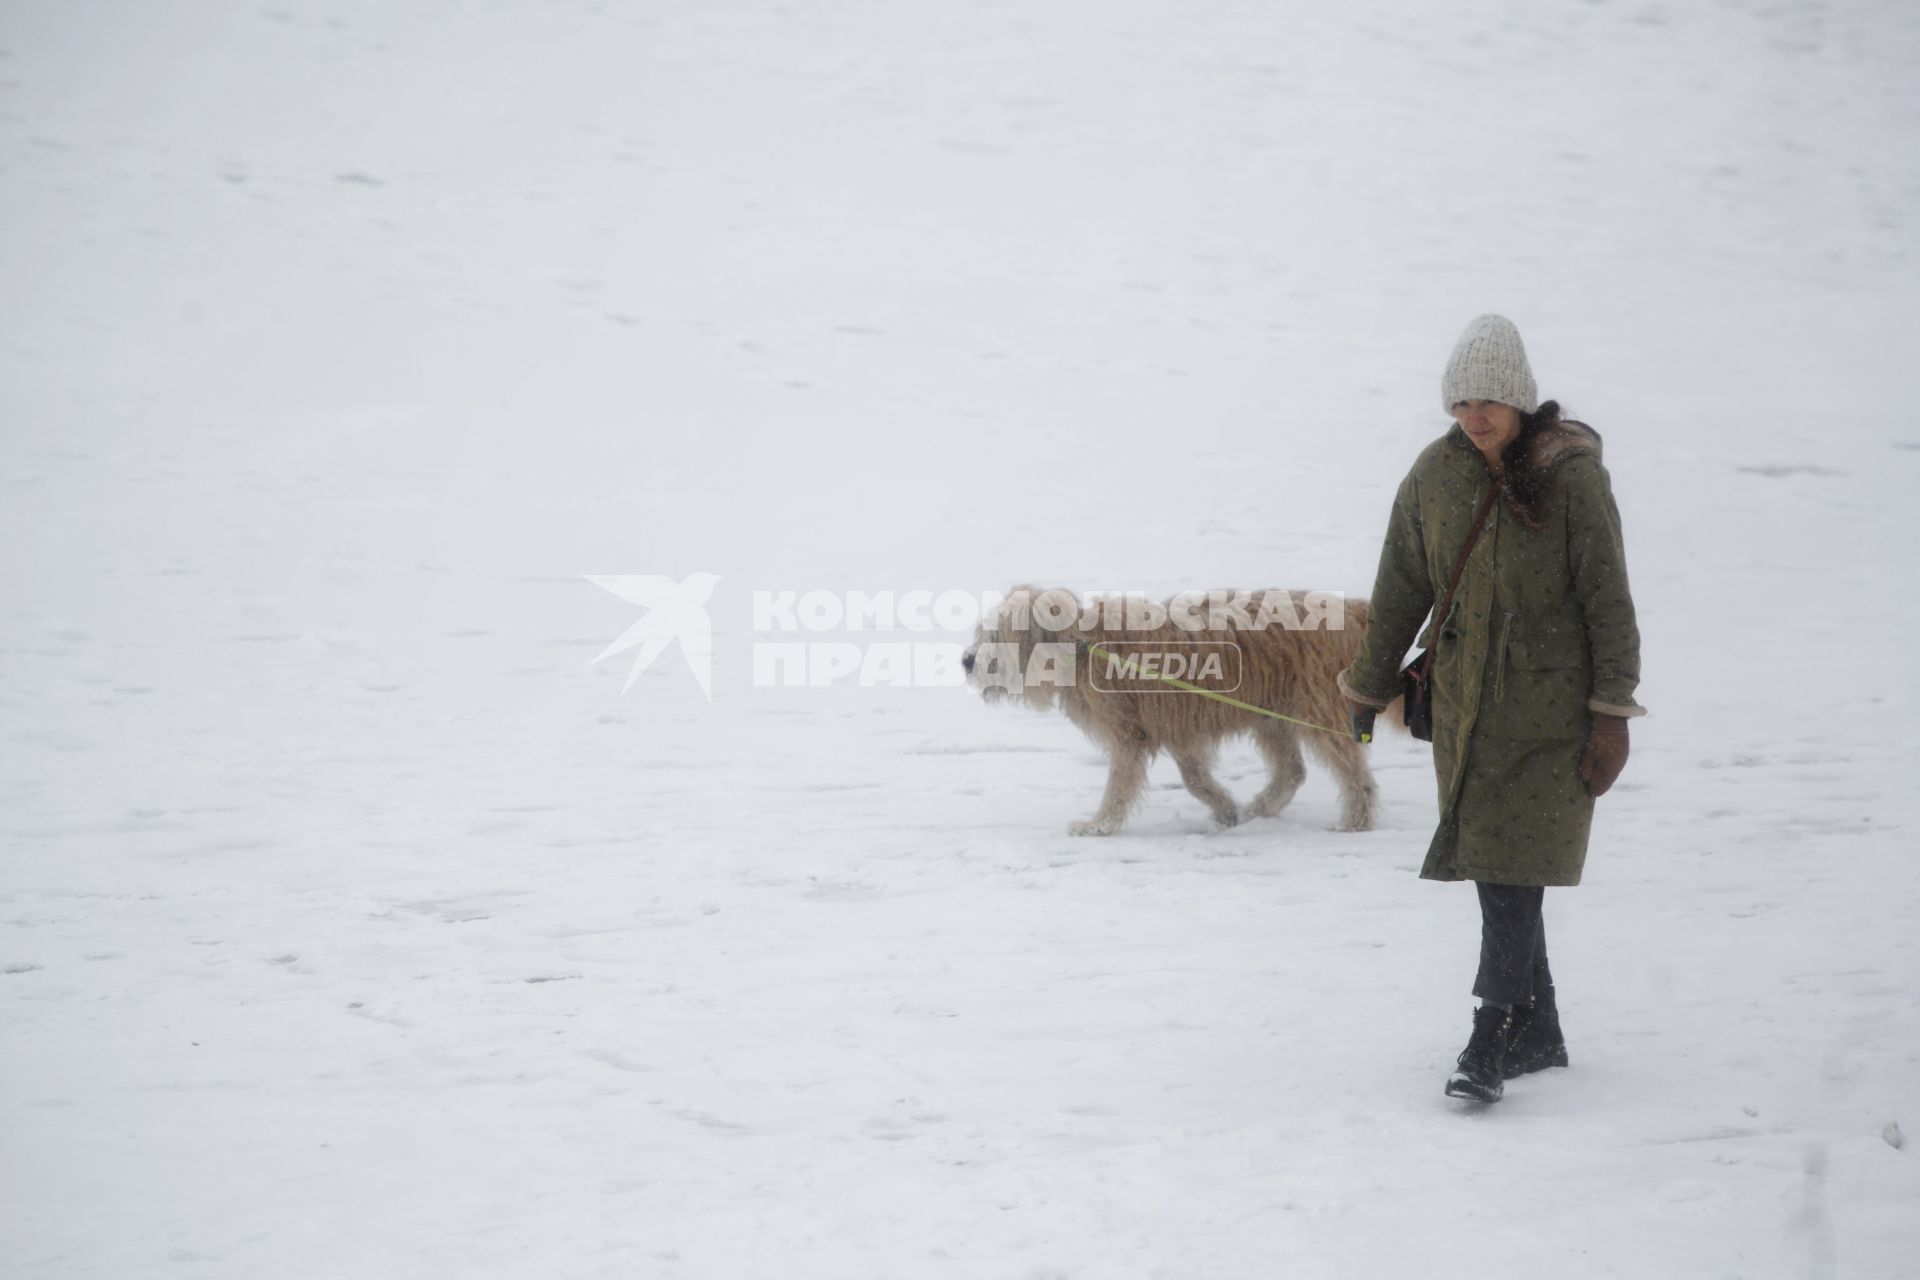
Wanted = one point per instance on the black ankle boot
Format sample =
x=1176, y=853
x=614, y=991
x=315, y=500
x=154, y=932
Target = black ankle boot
x=1534, y=1041
x=1483, y=1061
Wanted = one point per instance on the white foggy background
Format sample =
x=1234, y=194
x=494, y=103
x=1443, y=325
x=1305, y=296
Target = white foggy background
x=355, y=925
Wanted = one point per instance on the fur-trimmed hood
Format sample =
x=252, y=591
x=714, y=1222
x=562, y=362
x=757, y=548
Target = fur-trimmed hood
x=1558, y=439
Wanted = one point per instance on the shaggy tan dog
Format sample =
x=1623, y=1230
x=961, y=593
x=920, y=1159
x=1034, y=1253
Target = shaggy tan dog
x=1100, y=667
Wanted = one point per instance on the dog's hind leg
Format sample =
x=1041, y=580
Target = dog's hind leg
x=1358, y=795
x=1280, y=744
x=1196, y=770
x=1126, y=779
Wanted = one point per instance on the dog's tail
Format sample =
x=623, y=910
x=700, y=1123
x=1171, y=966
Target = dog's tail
x=1391, y=718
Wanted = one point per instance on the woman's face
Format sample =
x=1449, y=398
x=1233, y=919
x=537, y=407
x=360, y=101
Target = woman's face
x=1491, y=426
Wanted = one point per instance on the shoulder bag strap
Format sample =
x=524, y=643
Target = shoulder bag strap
x=1459, y=567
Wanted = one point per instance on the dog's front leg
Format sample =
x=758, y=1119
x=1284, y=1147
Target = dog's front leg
x=1126, y=777
x=1196, y=770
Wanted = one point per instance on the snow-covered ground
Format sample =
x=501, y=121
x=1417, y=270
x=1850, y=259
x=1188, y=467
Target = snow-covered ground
x=355, y=925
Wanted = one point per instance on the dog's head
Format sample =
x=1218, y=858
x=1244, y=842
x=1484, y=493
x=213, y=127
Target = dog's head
x=1025, y=648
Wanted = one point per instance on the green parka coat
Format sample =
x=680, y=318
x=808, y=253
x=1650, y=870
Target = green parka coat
x=1541, y=635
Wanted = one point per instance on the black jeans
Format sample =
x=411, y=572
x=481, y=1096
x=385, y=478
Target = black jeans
x=1513, y=945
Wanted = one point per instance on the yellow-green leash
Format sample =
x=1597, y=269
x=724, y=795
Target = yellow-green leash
x=1221, y=697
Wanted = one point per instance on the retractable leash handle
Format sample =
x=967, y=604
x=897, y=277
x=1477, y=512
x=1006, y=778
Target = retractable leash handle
x=1363, y=724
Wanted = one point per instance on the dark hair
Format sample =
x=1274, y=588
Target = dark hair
x=1523, y=483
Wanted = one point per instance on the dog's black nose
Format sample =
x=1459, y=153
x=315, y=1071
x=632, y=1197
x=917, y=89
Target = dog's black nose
x=966, y=661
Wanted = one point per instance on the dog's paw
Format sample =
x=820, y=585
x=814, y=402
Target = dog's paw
x=1264, y=806
x=1093, y=827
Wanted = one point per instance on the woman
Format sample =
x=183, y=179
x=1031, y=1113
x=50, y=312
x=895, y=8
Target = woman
x=1533, y=674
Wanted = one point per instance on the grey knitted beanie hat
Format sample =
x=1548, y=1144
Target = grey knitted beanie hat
x=1489, y=364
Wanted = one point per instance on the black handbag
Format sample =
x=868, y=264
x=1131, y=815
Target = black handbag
x=1416, y=689
x=1416, y=700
